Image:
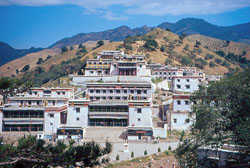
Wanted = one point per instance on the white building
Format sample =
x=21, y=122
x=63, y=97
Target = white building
x=40, y=110
x=180, y=118
x=187, y=83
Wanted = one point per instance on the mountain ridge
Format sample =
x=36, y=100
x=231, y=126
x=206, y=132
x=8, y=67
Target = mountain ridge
x=8, y=53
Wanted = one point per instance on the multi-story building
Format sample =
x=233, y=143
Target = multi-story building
x=180, y=117
x=39, y=110
x=186, y=83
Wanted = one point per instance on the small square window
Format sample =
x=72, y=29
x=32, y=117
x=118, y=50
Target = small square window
x=125, y=91
x=63, y=93
x=138, y=91
x=139, y=119
x=187, y=86
x=118, y=91
x=187, y=120
x=104, y=91
x=97, y=91
x=77, y=119
x=178, y=80
x=91, y=72
x=110, y=91
x=51, y=124
x=51, y=115
x=104, y=98
x=139, y=110
x=186, y=102
x=131, y=91
x=78, y=110
x=145, y=91
x=178, y=86
x=175, y=120
x=178, y=102
x=91, y=91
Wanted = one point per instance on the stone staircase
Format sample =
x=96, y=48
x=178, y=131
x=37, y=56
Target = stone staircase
x=101, y=134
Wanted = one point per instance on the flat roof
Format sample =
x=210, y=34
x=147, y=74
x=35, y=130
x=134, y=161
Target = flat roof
x=109, y=103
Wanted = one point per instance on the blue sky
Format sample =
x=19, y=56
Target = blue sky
x=40, y=23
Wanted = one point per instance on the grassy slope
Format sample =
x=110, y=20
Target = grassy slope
x=31, y=59
x=156, y=56
x=160, y=57
x=217, y=44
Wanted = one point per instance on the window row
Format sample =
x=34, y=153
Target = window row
x=179, y=102
x=118, y=98
x=23, y=114
x=186, y=86
x=164, y=73
x=119, y=91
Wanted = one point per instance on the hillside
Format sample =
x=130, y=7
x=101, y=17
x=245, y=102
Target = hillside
x=117, y=34
x=221, y=45
x=176, y=52
x=8, y=53
x=237, y=33
x=31, y=59
x=158, y=45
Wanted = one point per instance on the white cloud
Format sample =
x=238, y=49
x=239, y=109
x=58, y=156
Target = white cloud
x=109, y=15
x=148, y=7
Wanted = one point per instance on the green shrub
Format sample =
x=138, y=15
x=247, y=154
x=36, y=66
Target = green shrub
x=132, y=154
x=212, y=64
x=166, y=153
x=186, y=61
x=209, y=56
x=169, y=148
x=151, y=45
x=117, y=157
x=64, y=49
x=159, y=149
x=145, y=152
x=218, y=61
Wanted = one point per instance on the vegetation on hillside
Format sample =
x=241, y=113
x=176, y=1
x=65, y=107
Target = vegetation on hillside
x=222, y=117
x=31, y=152
x=12, y=86
x=39, y=76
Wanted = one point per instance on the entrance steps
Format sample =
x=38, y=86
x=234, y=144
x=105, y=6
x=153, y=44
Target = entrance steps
x=101, y=134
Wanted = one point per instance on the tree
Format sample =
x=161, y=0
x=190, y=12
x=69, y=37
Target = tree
x=39, y=61
x=212, y=64
x=31, y=152
x=151, y=45
x=99, y=43
x=197, y=44
x=186, y=48
x=12, y=86
x=182, y=36
x=17, y=71
x=200, y=63
x=25, y=68
x=80, y=46
x=222, y=117
x=64, y=49
x=186, y=61
x=71, y=48
x=218, y=61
